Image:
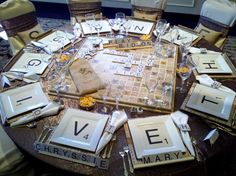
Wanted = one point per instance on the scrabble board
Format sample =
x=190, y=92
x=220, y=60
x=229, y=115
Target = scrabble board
x=124, y=72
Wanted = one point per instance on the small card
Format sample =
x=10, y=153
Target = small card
x=212, y=136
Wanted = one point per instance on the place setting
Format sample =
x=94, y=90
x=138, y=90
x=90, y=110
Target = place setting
x=212, y=101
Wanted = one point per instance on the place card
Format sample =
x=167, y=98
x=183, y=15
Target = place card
x=31, y=62
x=80, y=129
x=212, y=136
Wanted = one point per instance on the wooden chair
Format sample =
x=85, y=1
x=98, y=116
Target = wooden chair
x=78, y=9
x=148, y=10
x=18, y=19
x=216, y=18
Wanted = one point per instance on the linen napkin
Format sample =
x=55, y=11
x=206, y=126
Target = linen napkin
x=29, y=77
x=85, y=78
x=206, y=80
x=51, y=109
x=117, y=120
x=181, y=121
x=195, y=50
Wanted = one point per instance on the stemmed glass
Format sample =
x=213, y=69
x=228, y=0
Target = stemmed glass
x=127, y=25
x=118, y=93
x=184, y=70
x=160, y=28
x=185, y=44
x=119, y=20
x=90, y=20
x=105, y=94
x=150, y=84
x=97, y=26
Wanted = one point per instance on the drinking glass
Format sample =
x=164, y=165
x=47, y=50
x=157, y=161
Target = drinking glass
x=90, y=20
x=150, y=84
x=111, y=23
x=184, y=71
x=127, y=25
x=160, y=28
x=118, y=93
x=105, y=94
x=186, y=44
x=119, y=20
x=97, y=26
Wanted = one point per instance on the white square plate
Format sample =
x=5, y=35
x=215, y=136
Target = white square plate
x=105, y=27
x=19, y=100
x=211, y=101
x=56, y=40
x=163, y=136
x=211, y=63
x=141, y=27
x=31, y=62
x=80, y=129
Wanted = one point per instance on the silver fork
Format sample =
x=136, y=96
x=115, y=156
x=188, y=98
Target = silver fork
x=126, y=149
x=122, y=154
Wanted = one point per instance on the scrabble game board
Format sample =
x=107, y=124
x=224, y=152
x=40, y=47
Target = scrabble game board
x=124, y=72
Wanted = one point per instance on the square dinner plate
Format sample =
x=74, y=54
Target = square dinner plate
x=31, y=62
x=22, y=99
x=182, y=33
x=80, y=129
x=211, y=63
x=164, y=136
x=56, y=40
x=87, y=30
x=141, y=27
x=211, y=101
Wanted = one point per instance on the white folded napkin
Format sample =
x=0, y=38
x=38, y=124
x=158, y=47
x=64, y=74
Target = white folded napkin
x=5, y=82
x=117, y=120
x=29, y=77
x=181, y=121
x=206, y=80
x=195, y=50
x=51, y=109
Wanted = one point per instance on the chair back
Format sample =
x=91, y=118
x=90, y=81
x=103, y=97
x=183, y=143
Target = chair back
x=148, y=10
x=78, y=9
x=18, y=19
x=216, y=18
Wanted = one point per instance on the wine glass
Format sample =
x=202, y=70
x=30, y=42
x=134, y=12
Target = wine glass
x=184, y=70
x=127, y=25
x=118, y=93
x=89, y=20
x=185, y=44
x=160, y=28
x=105, y=94
x=97, y=26
x=119, y=20
x=151, y=84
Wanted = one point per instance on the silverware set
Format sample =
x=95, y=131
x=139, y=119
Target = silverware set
x=106, y=153
x=123, y=154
